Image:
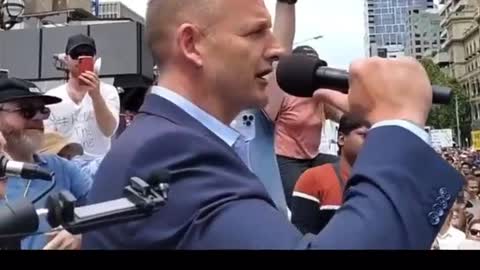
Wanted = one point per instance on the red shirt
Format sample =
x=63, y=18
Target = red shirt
x=298, y=128
x=317, y=195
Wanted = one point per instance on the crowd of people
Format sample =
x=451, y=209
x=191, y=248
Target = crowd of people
x=244, y=157
x=462, y=228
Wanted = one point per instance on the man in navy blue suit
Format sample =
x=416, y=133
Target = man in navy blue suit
x=213, y=58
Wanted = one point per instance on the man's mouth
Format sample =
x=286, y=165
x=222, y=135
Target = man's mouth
x=263, y=75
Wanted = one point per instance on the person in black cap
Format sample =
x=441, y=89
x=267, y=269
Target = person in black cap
x=23, y=108
x=298, y=121
x=89, y=112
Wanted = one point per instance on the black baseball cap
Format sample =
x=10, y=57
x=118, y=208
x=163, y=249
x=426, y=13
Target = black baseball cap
x=305, y=50
x=80, y=40
x=309, y=51
x=14, y=89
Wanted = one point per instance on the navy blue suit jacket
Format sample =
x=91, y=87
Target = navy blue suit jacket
x=397, y=198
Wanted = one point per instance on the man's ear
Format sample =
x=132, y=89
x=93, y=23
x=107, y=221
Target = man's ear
x=341, y=140
x=188, y=38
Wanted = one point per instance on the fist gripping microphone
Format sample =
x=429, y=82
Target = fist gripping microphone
x=301, y=75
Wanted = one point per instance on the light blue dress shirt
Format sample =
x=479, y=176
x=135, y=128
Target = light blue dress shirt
x=231, y=137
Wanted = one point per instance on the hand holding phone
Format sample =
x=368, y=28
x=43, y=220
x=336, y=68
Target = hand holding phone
x=85, y=63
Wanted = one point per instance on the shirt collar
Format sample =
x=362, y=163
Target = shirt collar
x=39, y=160
x=447, y=234
x=226, y=133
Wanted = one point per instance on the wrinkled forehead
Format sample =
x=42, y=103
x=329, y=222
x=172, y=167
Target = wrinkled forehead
x=475, y=226
x=472, y=182
x=246, y=9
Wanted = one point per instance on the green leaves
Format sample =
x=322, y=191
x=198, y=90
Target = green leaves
x=443, y=116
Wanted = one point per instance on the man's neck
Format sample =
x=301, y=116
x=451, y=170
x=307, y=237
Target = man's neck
x=444, y=229
x=345, y=165
x=200, y=98
x=19, y=155
x=74, y=90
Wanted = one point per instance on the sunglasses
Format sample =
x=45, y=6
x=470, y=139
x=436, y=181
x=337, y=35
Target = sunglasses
x=475, y=232
x=31, y=113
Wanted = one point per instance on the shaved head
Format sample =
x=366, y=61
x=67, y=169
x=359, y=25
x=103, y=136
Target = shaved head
x=164, y=16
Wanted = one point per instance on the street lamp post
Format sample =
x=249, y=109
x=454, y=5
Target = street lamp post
x=309, y=39
x=459, y=134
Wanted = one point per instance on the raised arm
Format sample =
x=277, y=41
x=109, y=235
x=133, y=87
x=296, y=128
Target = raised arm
x=284, y=30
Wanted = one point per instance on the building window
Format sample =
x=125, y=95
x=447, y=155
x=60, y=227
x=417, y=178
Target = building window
x=474, y=89
x=477, y=87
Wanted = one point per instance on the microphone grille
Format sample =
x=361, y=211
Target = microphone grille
x=296, y=74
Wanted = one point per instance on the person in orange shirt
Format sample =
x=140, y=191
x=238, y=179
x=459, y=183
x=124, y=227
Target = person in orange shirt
x=319, y=191
x=298, y=121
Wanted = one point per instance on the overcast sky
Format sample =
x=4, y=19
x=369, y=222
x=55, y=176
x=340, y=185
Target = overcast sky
x=341, y=23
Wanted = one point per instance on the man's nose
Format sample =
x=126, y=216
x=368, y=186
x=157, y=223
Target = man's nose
x=275, y=51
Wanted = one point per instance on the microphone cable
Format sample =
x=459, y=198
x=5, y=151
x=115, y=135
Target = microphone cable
x=45, y=192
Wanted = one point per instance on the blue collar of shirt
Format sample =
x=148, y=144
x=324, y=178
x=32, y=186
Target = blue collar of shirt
x=224, y=132
x=39, y=160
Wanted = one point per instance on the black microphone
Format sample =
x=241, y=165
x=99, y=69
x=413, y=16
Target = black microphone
x=24, y=170
x=19, y=217
x=301, y=75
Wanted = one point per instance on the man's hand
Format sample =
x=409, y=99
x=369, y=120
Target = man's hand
x=91, y=83
x=385, y=89
x=63, y=240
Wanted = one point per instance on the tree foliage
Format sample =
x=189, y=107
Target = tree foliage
x=443, y=116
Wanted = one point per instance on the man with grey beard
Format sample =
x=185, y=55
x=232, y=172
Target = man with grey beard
x=22, y=112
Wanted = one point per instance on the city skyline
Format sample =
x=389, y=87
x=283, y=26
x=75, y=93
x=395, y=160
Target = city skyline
x=339, y=46
x=385, y=23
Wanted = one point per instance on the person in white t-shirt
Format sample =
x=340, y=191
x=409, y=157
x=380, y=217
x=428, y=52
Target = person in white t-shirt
x=90, y=109
x=449, y=237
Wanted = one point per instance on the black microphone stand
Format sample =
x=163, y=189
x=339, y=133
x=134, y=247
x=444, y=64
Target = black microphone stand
x=141, y=201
